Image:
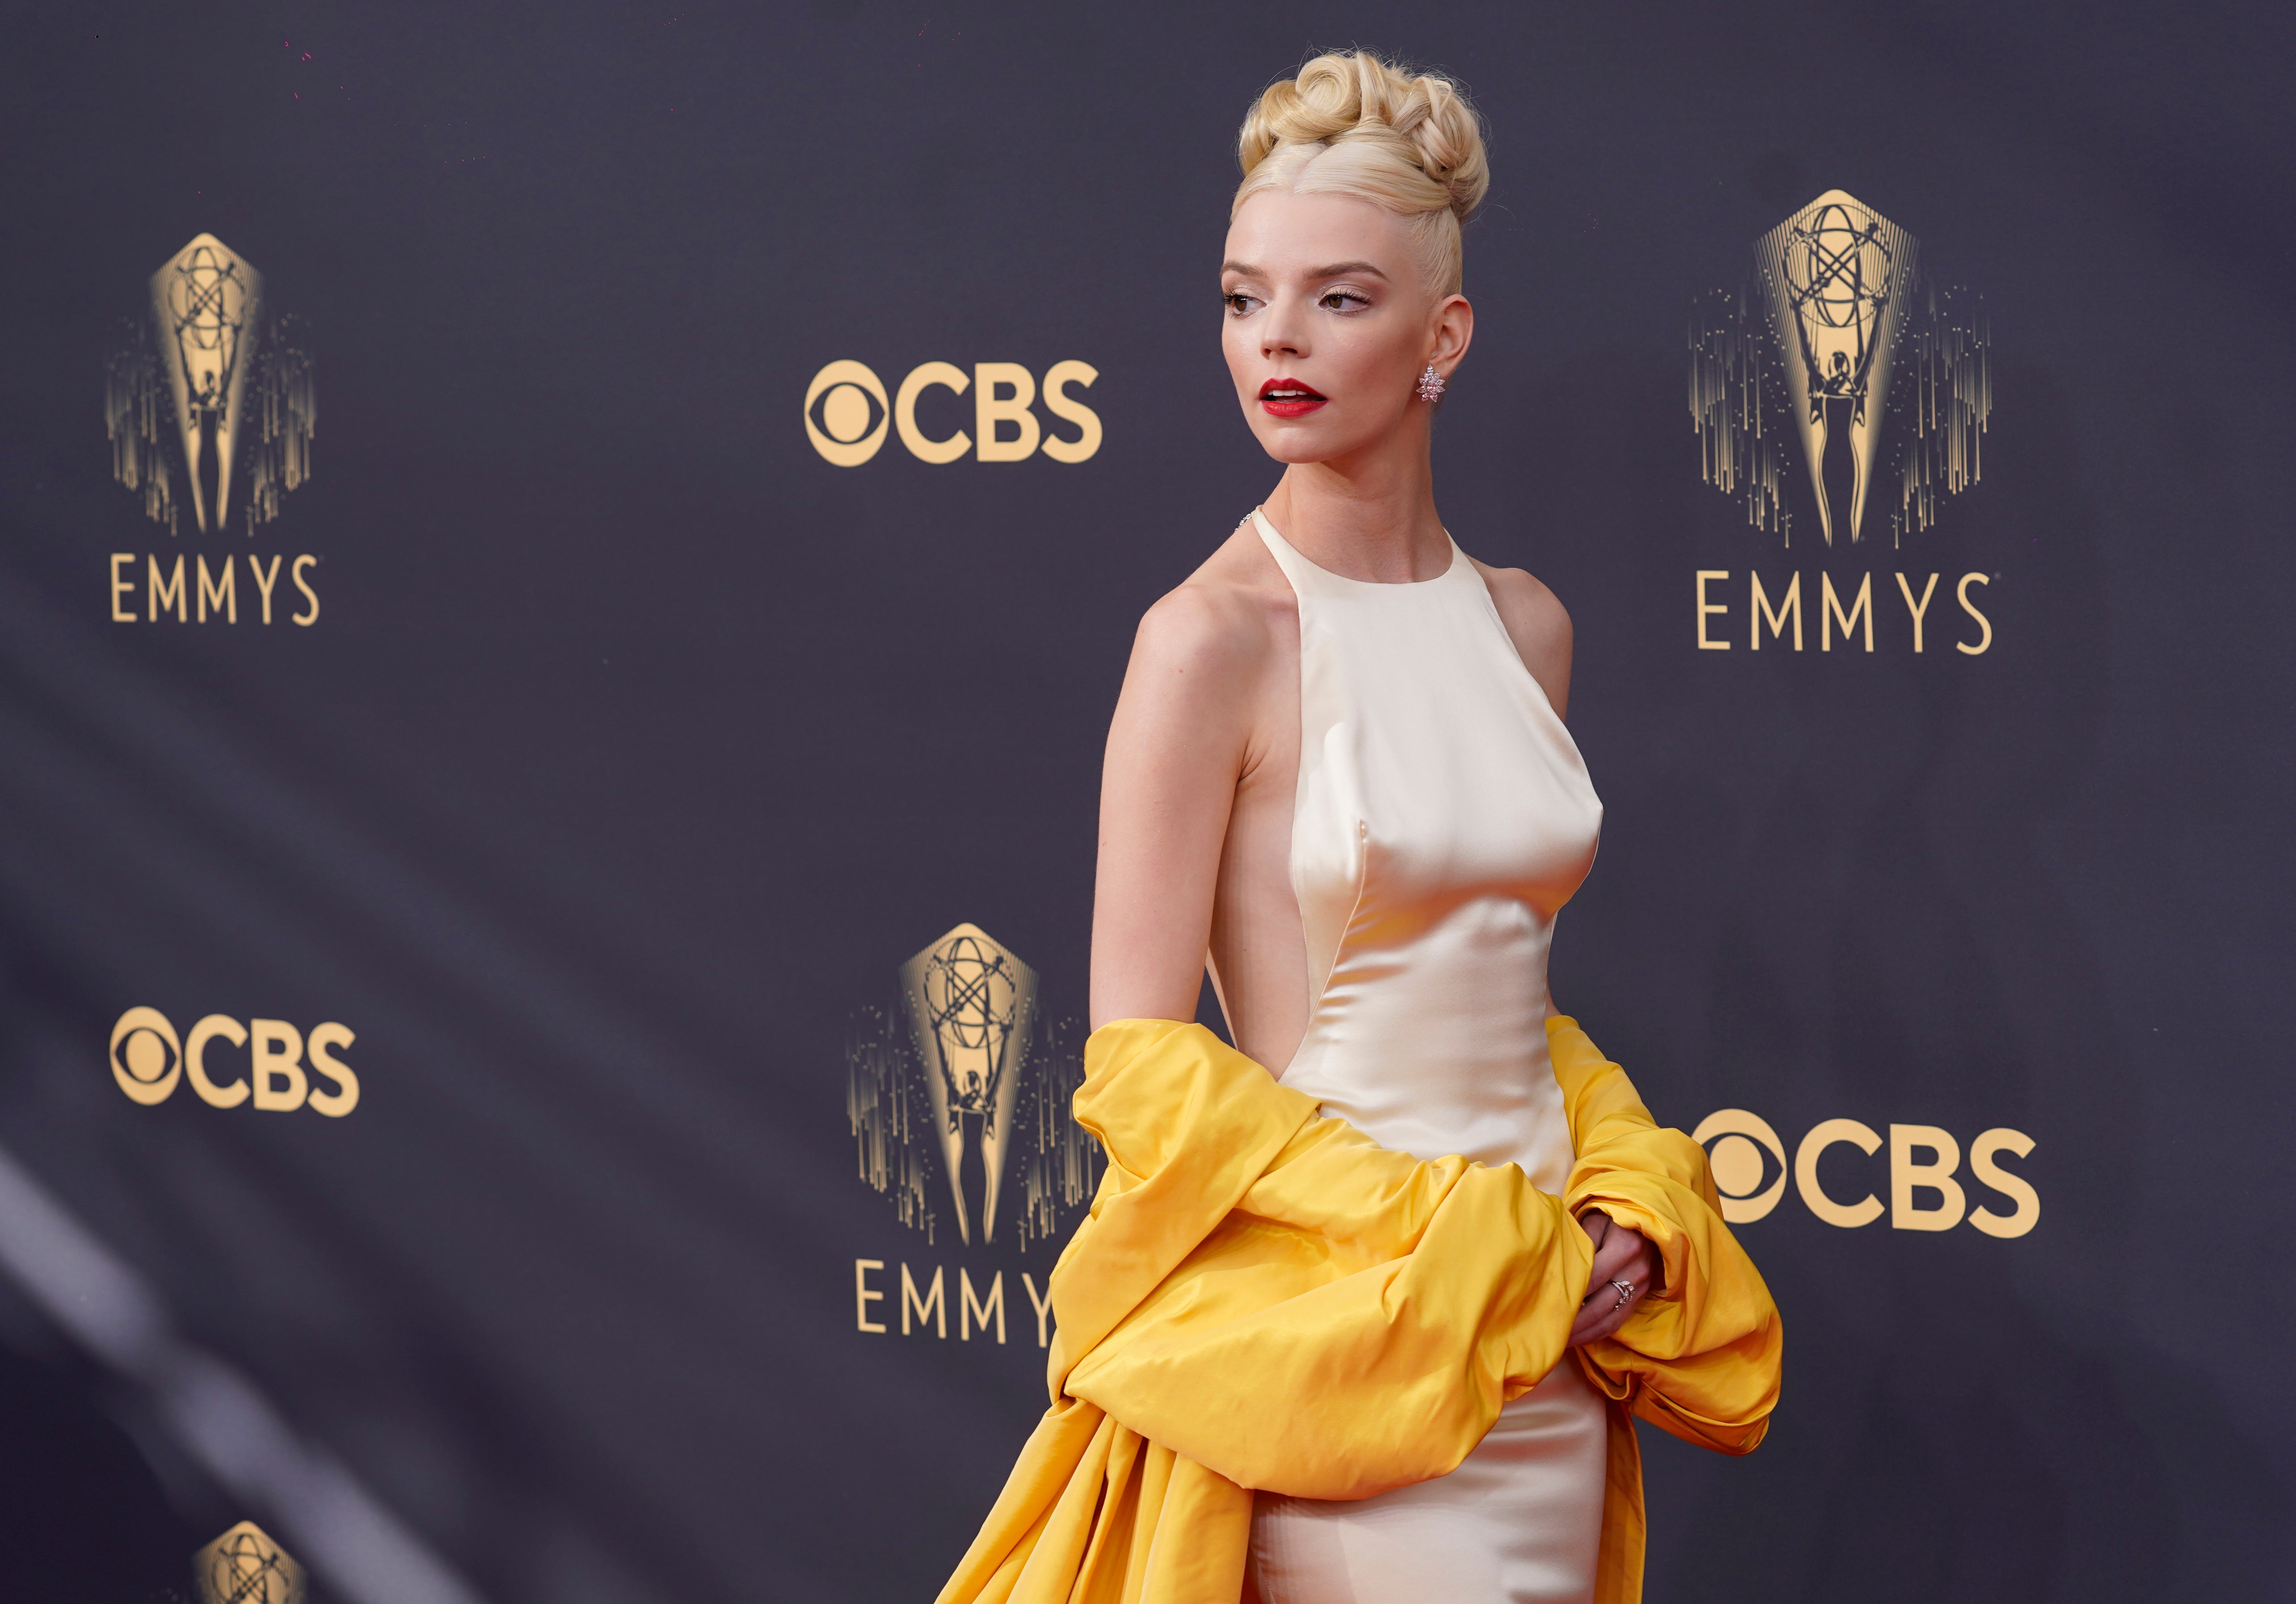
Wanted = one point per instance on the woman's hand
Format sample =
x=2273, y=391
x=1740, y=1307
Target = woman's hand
x=1621, y=1255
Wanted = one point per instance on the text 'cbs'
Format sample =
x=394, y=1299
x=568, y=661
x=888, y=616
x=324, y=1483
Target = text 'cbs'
x=847, y=413
x=148, y=1060
x=1923, y=1160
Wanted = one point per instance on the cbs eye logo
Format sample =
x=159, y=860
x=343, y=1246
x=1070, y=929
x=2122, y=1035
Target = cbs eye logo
x=148, y=1060
x=847, y=413
x=1748, y=1166
x=1739, y=1167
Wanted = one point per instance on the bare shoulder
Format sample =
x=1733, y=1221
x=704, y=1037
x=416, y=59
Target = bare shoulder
x=1538, y=625
x=1224, y=620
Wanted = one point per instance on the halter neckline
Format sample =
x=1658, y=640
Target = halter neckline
x=1268, y=532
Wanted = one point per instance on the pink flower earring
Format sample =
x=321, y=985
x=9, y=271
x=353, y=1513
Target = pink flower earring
x=1431, y=384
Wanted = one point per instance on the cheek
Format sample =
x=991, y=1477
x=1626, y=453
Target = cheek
x=1237, y=348
x=1377, y=359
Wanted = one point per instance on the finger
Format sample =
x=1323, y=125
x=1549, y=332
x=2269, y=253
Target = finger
x=1595, y=1323
x=1593, y=1309
x=1603, y=1312
x=1594, y=1313
x=1626, y=1255
x=1641, y=1269
x=1597, y=1320
x=1616, y=1253
x=1607, y=1249
x=1591, y=1326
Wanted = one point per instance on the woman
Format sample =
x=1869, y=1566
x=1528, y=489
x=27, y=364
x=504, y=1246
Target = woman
x=1339, y=766
x=1338, y=775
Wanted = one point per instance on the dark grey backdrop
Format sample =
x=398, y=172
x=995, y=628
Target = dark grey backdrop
x=636, y=745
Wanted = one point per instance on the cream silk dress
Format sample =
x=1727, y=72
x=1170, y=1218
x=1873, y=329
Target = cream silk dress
x=1443, y=818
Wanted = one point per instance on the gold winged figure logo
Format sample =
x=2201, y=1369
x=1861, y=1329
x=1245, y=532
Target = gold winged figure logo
x=210, y=396
x=960, y=1078
x=1838, y=345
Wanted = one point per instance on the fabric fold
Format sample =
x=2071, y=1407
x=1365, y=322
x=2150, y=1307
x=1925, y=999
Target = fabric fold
x=1261, y=1297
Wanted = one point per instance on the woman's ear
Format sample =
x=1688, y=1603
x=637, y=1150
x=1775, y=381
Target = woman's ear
x=1455, y=331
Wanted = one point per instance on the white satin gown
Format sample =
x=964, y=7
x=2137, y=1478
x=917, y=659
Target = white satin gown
x=1443, y=818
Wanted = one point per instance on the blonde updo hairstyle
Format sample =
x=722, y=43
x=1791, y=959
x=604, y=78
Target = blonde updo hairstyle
x=1352, y=123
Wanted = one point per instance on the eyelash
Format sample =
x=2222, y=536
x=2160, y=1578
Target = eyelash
x=1235, y=301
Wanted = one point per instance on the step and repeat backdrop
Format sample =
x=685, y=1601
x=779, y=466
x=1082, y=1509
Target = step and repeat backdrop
x=562, y=574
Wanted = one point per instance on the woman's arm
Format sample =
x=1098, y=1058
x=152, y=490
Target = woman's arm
x=1540, y=628
x=1180, y=738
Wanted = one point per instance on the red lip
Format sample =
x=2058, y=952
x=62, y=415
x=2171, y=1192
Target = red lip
x=1288, y=398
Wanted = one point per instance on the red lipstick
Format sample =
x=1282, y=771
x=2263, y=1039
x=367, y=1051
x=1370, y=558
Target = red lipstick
x=1288, y=398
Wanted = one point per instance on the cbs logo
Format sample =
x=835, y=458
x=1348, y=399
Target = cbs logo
x=846, y=412
x=1744, y=1153
x=147, y=1061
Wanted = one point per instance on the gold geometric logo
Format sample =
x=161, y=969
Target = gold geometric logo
x=245, y=1567
x=1837, y=344
x=963, y=1070
x=207, y=381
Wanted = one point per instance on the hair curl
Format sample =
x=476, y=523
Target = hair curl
x=1353, y=124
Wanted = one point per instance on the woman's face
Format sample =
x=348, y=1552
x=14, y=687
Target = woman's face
x=1328, y=326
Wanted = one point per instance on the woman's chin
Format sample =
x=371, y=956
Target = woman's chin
x=1294, y=444
x=1291, y=451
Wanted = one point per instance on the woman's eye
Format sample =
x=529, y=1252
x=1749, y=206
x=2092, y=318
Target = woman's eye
x=1238, y=303
x=1342, y=300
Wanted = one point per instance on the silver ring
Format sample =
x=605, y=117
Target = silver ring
x=1626, y=1293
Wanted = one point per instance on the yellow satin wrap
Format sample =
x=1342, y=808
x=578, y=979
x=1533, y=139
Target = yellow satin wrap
x=1262, y=1297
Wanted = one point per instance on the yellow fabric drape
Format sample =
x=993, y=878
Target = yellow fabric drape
x=1262, y=1297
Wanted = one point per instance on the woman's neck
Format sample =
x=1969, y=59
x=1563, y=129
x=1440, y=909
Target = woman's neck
x=1369, y=516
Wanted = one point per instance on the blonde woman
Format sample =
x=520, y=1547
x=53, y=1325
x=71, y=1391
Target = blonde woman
x=1338, y=775
x=1339, y=766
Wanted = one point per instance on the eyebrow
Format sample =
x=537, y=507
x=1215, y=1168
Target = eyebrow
x=1337, y=270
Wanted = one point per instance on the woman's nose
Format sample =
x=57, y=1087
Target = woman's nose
x=1281, y=334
